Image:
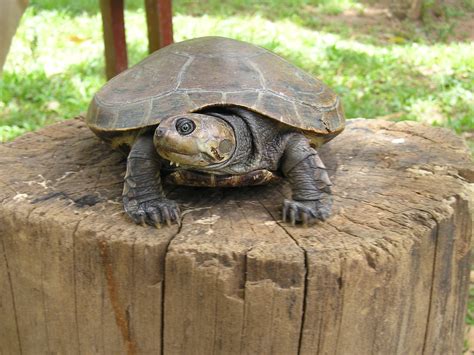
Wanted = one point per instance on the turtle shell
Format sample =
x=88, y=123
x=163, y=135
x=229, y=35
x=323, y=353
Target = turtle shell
x=199, y=73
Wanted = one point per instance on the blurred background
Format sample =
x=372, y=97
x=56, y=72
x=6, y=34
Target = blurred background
x=382, y=62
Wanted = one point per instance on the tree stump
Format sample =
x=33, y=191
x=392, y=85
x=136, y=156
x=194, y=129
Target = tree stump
x=388, y=273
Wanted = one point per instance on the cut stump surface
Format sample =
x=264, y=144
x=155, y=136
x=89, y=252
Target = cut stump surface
x=387, y=274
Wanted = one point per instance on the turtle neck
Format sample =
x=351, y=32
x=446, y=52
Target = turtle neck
x=245, y=152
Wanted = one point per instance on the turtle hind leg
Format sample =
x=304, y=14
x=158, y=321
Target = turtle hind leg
x=310, y=183
x=143, y=196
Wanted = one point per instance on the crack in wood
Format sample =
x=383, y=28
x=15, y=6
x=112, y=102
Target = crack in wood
x=12, y=293
x=305, y=276
x=163, y=288
x=341, y=312
x=119, y=310
x=432, y=288
x=44, y=308
x=74, y=280
x=241, y=351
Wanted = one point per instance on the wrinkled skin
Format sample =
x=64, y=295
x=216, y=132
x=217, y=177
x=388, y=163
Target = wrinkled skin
x=230, y=141
x=211, y=141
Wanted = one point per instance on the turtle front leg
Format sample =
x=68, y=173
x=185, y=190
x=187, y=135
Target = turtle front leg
x=143, y=197
x=310, y=184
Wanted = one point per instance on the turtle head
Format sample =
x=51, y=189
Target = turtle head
x=194, y=140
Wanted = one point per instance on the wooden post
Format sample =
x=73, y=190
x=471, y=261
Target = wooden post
x=159, y=19
x=114, y=37
x=388, y=273
x=415, y=10
x=10, y=15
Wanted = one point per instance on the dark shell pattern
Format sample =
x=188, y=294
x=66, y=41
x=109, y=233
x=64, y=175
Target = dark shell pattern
x=212, y=71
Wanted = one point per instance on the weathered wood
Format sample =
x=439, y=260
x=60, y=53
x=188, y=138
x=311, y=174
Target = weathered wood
x=406, y=8
x=387, y=274
x=159, y=19
x=115, y=44
x=415, y=11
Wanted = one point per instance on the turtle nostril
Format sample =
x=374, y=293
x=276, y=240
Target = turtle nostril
x=160, y=132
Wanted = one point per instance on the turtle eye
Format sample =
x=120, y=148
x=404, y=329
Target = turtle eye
x=185, y=126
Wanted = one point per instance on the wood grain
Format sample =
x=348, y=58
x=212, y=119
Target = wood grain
x=387, y=273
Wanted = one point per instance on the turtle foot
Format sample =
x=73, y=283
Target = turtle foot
x=306, y=212
x=153, y=212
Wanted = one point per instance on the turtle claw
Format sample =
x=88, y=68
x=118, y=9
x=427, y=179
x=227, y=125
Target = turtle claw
x=292, y=216
x=306, y=212
x=139, y=217
x=175, y=215
x=166, y=216
x=305, y=219
x=285, y=210
x=155, y=219
x=153, y=212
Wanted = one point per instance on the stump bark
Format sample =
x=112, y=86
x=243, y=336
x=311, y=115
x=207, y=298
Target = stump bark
x=388, y=273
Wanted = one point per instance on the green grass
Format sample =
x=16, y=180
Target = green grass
x=223, y=8
x=470, y=308
x=56, y=61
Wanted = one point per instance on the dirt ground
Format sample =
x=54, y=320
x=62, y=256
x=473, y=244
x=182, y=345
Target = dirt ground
x=455, y=23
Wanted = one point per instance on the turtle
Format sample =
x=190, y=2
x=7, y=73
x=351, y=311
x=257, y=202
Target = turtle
x=218, y=112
